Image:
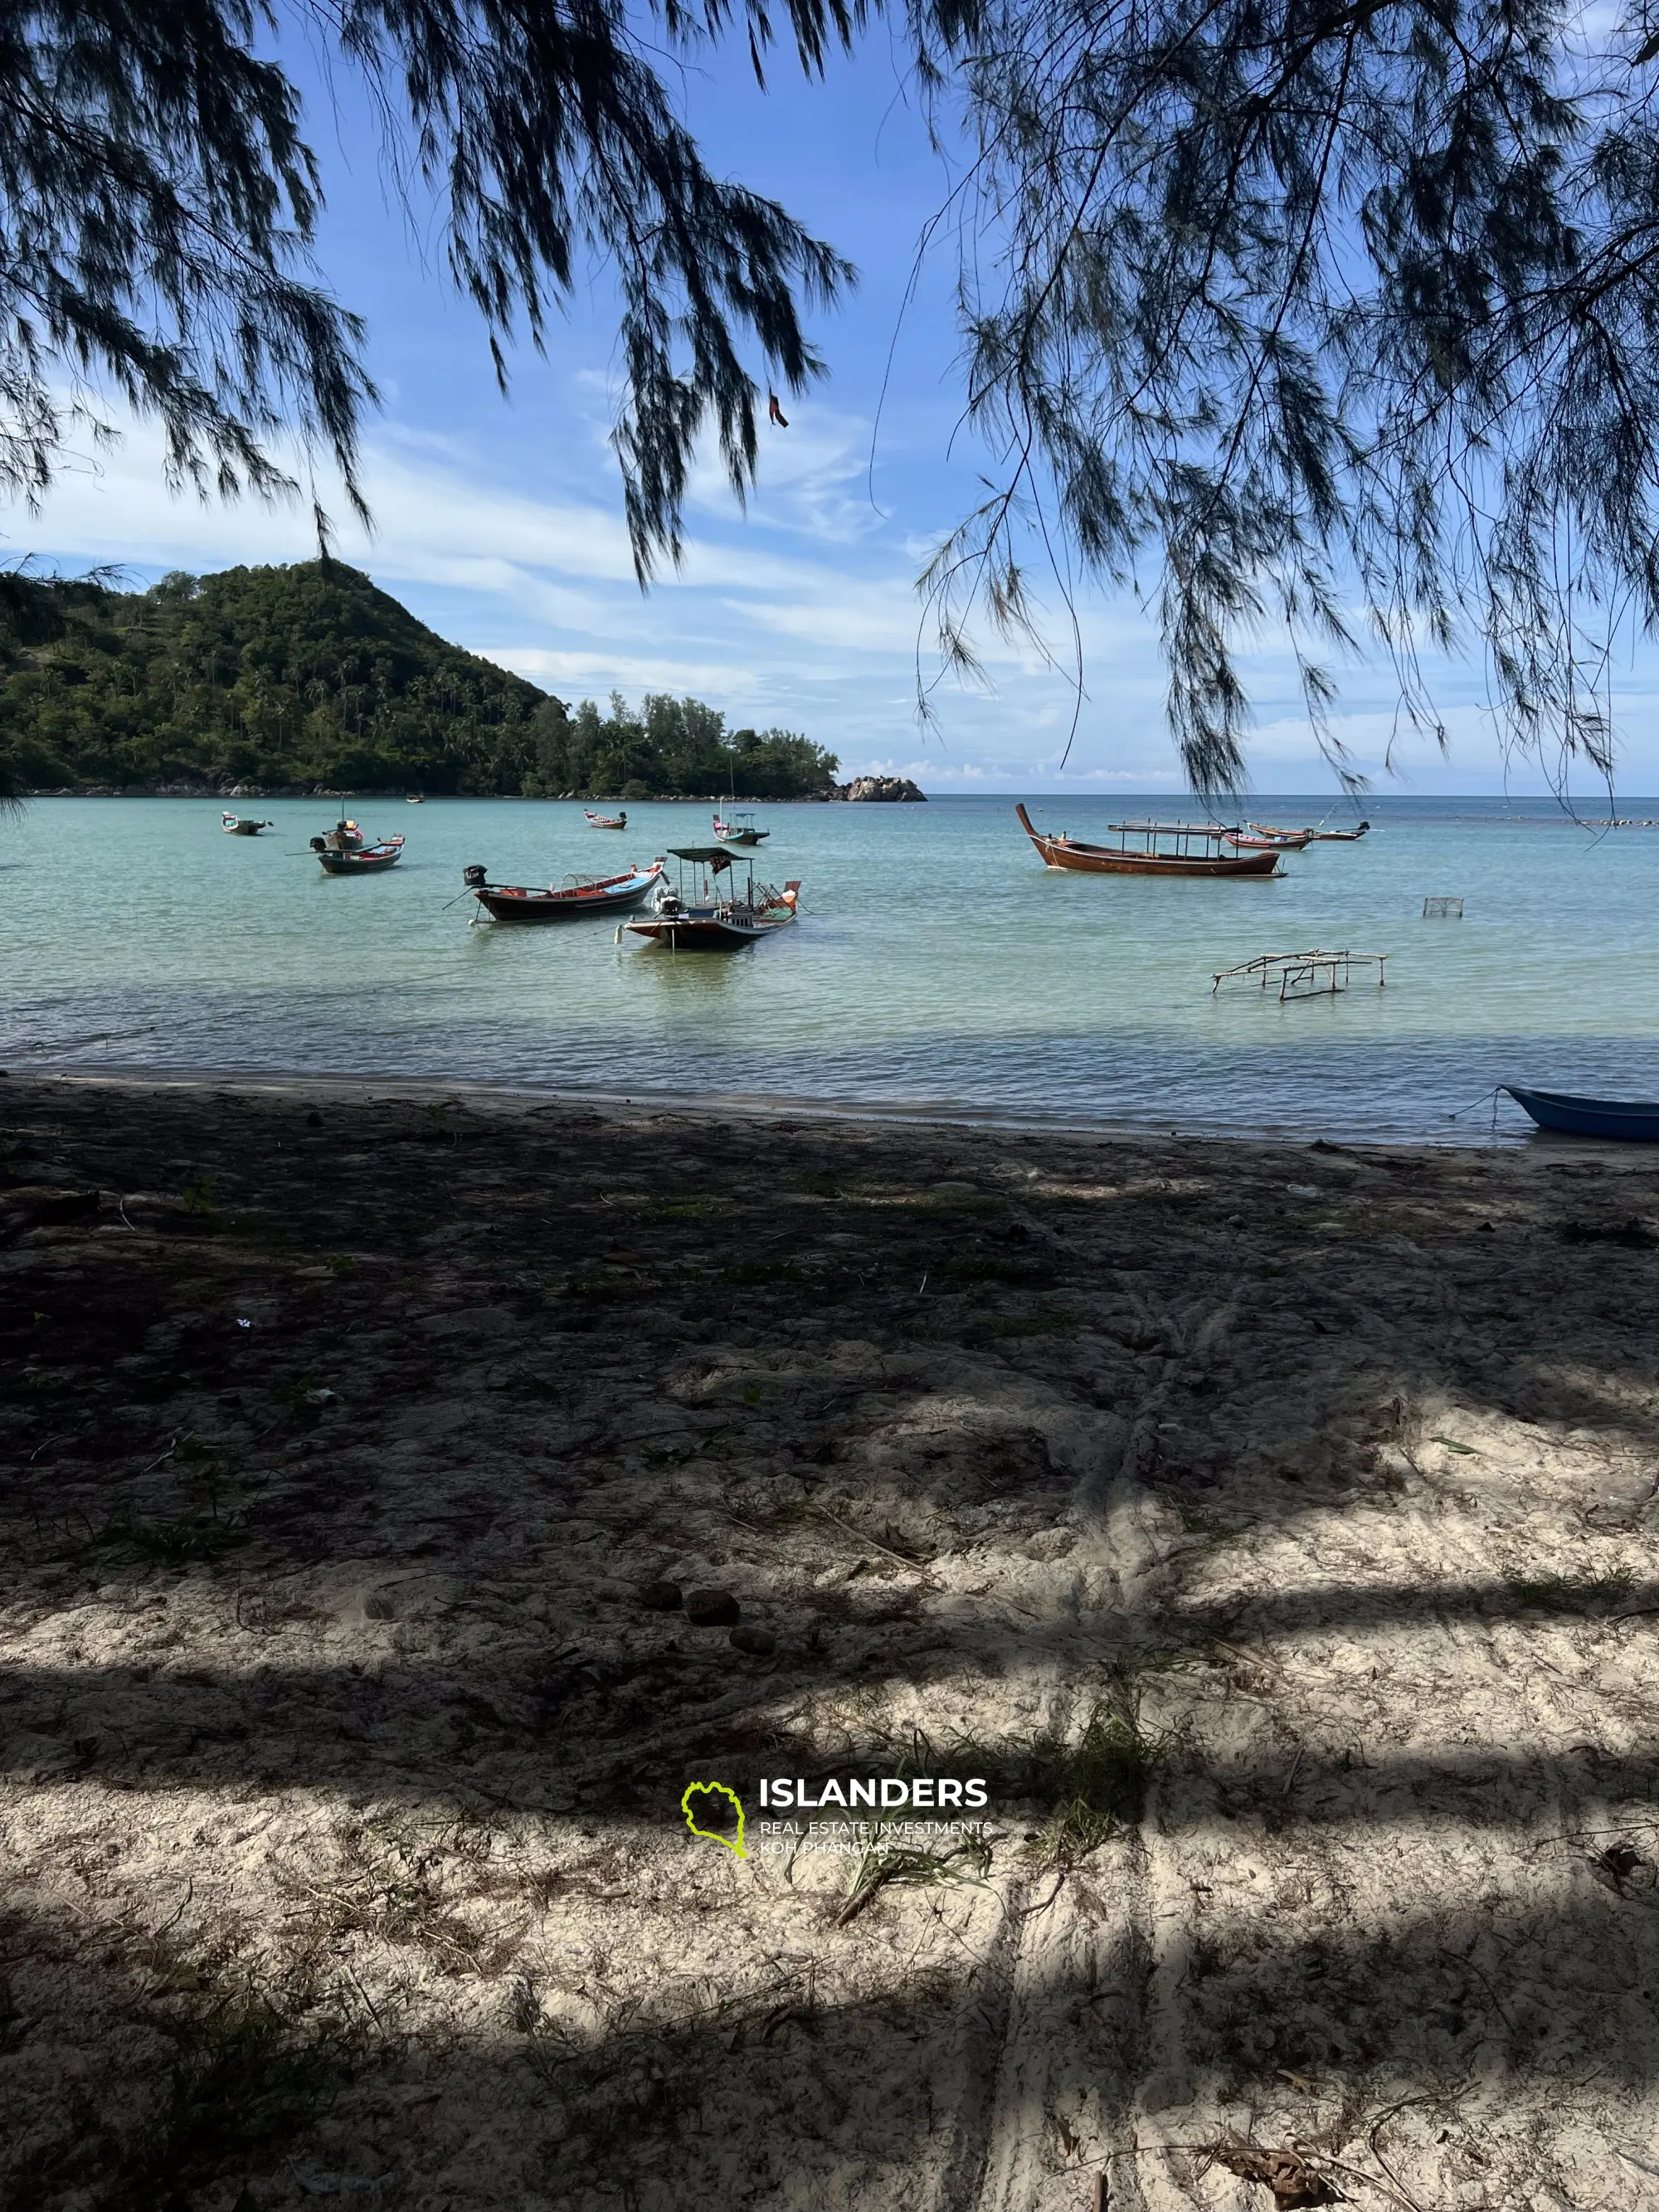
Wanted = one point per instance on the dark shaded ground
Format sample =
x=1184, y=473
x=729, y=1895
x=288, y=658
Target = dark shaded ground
x=1271, y=1529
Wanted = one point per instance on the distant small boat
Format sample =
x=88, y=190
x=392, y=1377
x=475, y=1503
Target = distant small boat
x=579, y=895
x=739, y=831
x=1628, y=1120
x=1339, y=836
x=242, y=825
x=1162, y=848
x=415, y=798
x=346, y=852
x=1263, y=837
x=605, y=821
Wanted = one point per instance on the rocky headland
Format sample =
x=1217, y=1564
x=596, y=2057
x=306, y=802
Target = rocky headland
x=881, y=788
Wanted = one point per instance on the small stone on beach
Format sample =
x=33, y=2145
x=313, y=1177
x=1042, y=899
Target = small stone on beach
x=712, y=1609
x=659, y=1597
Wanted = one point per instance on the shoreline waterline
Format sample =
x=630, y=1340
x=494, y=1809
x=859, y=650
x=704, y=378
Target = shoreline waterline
x=712, y=1106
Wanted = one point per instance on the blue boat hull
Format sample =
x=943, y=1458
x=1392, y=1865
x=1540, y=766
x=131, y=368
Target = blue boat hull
x=1629, y=1120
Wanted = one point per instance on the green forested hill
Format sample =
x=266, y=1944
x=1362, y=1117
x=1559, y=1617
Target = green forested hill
x=311, y=676
x=268, y=677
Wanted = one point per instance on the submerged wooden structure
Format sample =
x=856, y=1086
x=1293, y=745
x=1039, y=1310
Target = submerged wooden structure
x=1303, y=975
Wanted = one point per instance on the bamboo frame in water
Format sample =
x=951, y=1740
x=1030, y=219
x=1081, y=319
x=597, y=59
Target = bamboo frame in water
x=1292, y=969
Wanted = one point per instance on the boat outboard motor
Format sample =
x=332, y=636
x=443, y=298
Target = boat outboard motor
x=669, y=901
x=319, y=845
x=474, y=877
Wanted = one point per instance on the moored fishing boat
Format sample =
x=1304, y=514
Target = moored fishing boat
x=705, y=916
x=1628, y=1120
x=578, y=895
x=1162, y=848
x=739, y=831
x=346, y=852
x=1263, y=837
x=242, y=825
x=1341, y=836
x=605, y=821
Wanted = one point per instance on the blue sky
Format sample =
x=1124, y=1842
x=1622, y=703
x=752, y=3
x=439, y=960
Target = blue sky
x=500, y=523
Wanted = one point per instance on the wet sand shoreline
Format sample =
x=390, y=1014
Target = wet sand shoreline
x=1270, y=1528
x=1463, y=1132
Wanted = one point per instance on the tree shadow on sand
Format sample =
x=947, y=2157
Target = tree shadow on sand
x=343, y=1751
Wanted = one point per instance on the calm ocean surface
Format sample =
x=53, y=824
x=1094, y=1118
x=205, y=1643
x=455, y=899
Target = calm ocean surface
x=937, y=964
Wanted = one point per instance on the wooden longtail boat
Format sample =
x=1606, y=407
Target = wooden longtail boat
x=1340, y=837
x=367, y=860
x=739, y=831
x=605, y=821
x=1629, y=1120
x=580, y=895
x=705, y=916
x=346, y=852
x=242, y=825
x=1263, y=837
x=1166, y=849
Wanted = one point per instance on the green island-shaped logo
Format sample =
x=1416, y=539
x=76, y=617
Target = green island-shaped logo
x=709, y=1790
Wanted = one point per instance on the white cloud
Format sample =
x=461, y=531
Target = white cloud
x=800, y=615
x=594, y=675
x=811, y=479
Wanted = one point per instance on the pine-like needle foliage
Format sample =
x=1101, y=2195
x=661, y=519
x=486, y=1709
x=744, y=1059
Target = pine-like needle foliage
x=157, y=204
x=1339, y=315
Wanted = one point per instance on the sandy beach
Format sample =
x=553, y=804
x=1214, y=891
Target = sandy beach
x=411, y=1493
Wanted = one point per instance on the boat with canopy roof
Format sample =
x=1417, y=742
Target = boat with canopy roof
x=1152, y=848
x=714, y=909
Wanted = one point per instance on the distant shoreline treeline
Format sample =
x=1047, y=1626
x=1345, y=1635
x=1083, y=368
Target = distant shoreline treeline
x=672, y=749
x=267, y=682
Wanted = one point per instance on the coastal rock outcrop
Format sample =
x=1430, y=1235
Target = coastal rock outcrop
x=888, y=788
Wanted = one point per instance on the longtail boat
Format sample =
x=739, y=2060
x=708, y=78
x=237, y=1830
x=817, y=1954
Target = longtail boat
x=1263, y=837
x=706, y=915
x=346, y=852
x=242, y=825
x=579, y=895
x=1162, y=848
x=1340, y=837
x=739, y=831
x=1628, y=1119
x=605, y=821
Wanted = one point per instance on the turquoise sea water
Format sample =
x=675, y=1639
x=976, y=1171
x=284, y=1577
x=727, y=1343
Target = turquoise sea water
x=937, y=964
